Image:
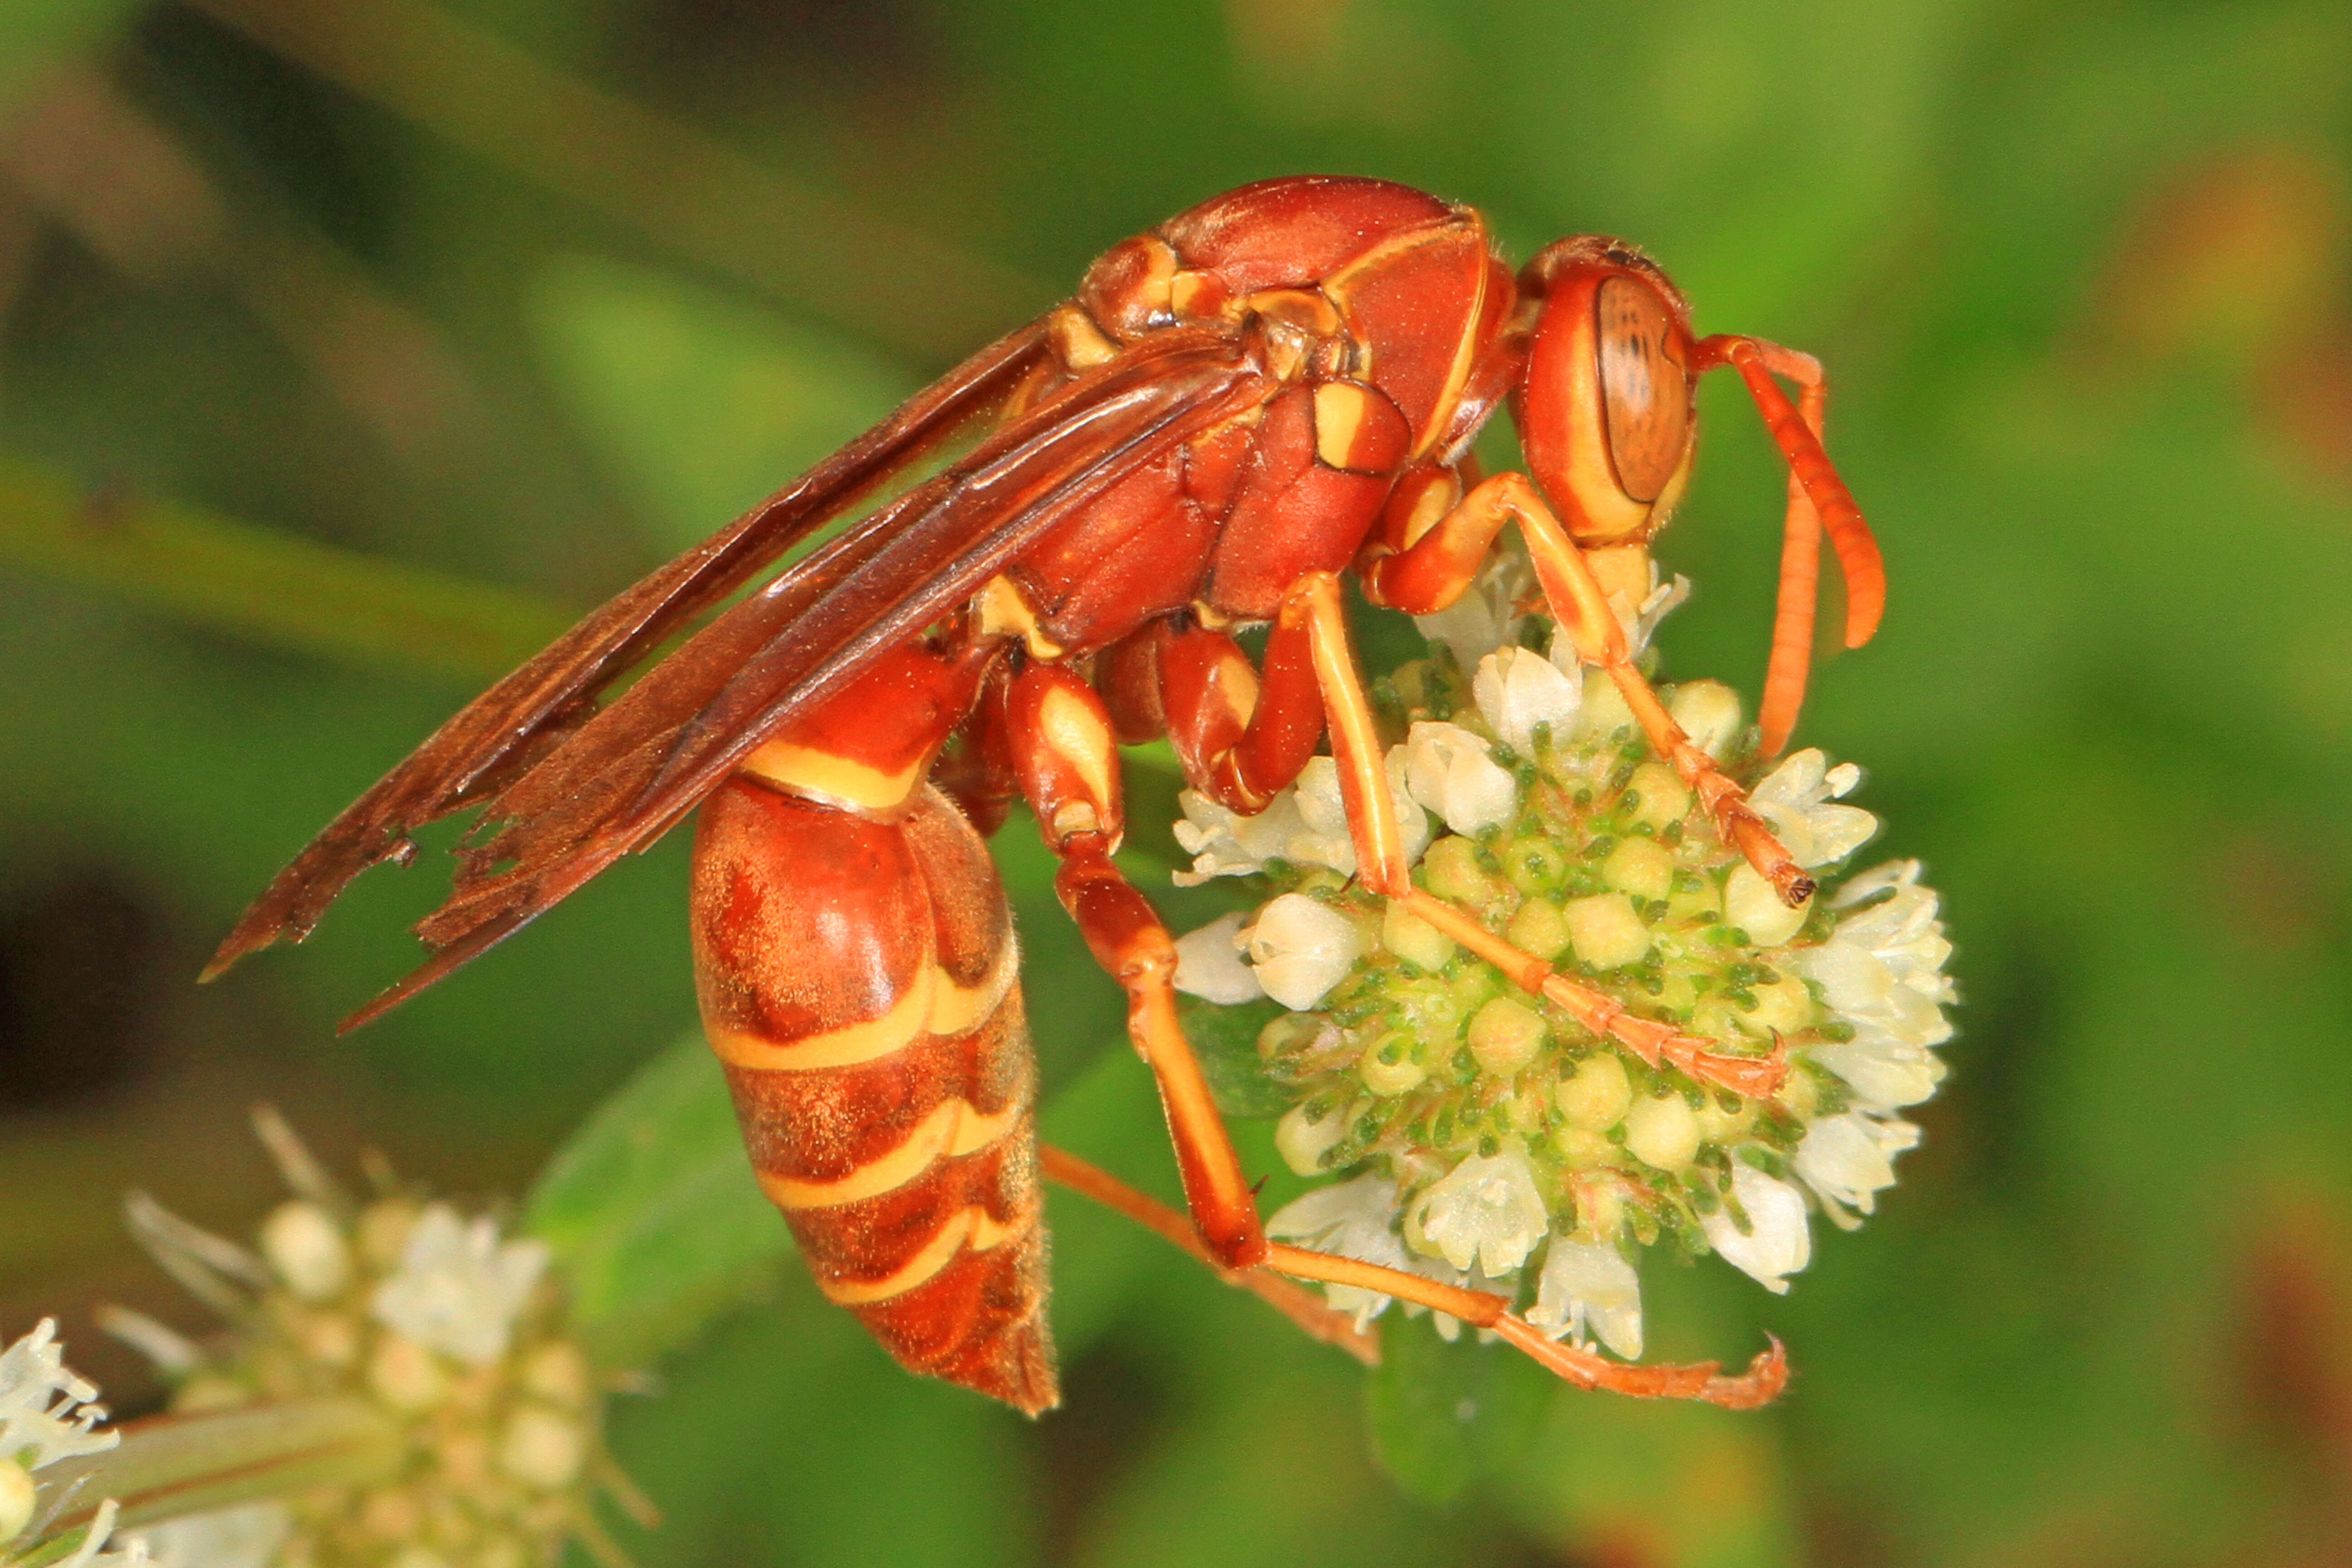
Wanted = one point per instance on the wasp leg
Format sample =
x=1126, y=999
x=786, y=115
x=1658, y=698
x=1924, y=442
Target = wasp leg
x=1068, y=760
x=1766, y=1375
x=1380, y=855
x=1816, y=497
x=1428, y=572
x=1294, y=1302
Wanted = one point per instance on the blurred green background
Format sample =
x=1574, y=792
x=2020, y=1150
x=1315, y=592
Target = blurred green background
x=347, y=347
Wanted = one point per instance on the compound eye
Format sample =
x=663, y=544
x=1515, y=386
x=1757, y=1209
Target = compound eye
x=1645, y=392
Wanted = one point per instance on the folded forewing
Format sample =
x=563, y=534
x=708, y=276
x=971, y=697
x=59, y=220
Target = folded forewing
x=616, y=781
x=494, y=737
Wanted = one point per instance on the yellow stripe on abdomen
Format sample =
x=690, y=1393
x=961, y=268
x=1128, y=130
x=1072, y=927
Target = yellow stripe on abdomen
x=971, y=1229
x=932, y=1005
x=953, y=1129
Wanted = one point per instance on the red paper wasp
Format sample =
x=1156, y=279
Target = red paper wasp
x=1275, y=388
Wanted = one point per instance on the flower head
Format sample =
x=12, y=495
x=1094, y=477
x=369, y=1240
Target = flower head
x=47, y=1413
x=1474, y=1131
x=448, y=1337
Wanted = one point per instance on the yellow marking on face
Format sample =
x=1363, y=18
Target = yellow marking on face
x=806, y=771
x=932, y=1007
x=1340, y=410
x=1078, y=734
x=953, y=1129
x=971, y=1229
x=1003, y=613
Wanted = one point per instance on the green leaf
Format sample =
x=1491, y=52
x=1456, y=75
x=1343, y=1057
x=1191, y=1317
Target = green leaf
x=36, y=33
x=1225, y=1039
x=653, y=1211
x=1441, y=1416
x=705, y=404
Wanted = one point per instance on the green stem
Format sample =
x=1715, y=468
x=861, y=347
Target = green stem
x=266, y=585
x=171, y=1466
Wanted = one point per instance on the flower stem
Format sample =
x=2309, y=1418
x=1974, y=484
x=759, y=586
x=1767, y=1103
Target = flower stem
x=169, y=1465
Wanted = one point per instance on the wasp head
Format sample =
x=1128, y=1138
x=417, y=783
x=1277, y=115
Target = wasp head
x=1605, y=406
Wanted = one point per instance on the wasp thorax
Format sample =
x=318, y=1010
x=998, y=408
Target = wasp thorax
x=1473, y=1126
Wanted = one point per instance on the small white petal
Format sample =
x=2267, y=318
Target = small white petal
x=1209, y=963
x=1518, y=688
x=1589, y=1284
x=1301, y=948
x=1794, y=799
x=245, y=1536
x=1777, y=1243
x=1796, y=781
x=1850, y=1159
x=459, y=1288
x=46, y=1410
x=1486, y=1211
x=1448, y=770
x=1356, y=1219
x=1224, y=843
x=1885, y=1075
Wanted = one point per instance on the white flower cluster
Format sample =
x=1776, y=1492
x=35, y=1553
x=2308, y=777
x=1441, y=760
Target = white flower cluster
x=1481, y=1133
x=47, y=1414
x=448, y=1327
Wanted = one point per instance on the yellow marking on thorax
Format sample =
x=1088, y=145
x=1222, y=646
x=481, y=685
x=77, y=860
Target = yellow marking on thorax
x=1078, y=342
x=969, y=1228
x=1340, y=410
x=953, y=1129
x=932, y=1005
x=1003, y=613
x=821, y=775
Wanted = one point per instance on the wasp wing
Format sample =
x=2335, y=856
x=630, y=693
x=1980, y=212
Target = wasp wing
x=497, y=736
x=621, y=778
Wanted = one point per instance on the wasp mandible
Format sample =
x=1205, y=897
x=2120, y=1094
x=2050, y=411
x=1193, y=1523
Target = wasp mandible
x=1280, y=386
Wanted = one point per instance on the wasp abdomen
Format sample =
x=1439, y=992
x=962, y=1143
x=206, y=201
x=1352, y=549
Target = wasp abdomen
x=859, y=979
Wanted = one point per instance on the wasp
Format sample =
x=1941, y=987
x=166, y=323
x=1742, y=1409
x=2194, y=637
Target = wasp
x=1240, y=410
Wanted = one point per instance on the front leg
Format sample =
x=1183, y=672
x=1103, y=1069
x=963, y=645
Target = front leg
x=1424, y=571
x=1380, y=854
